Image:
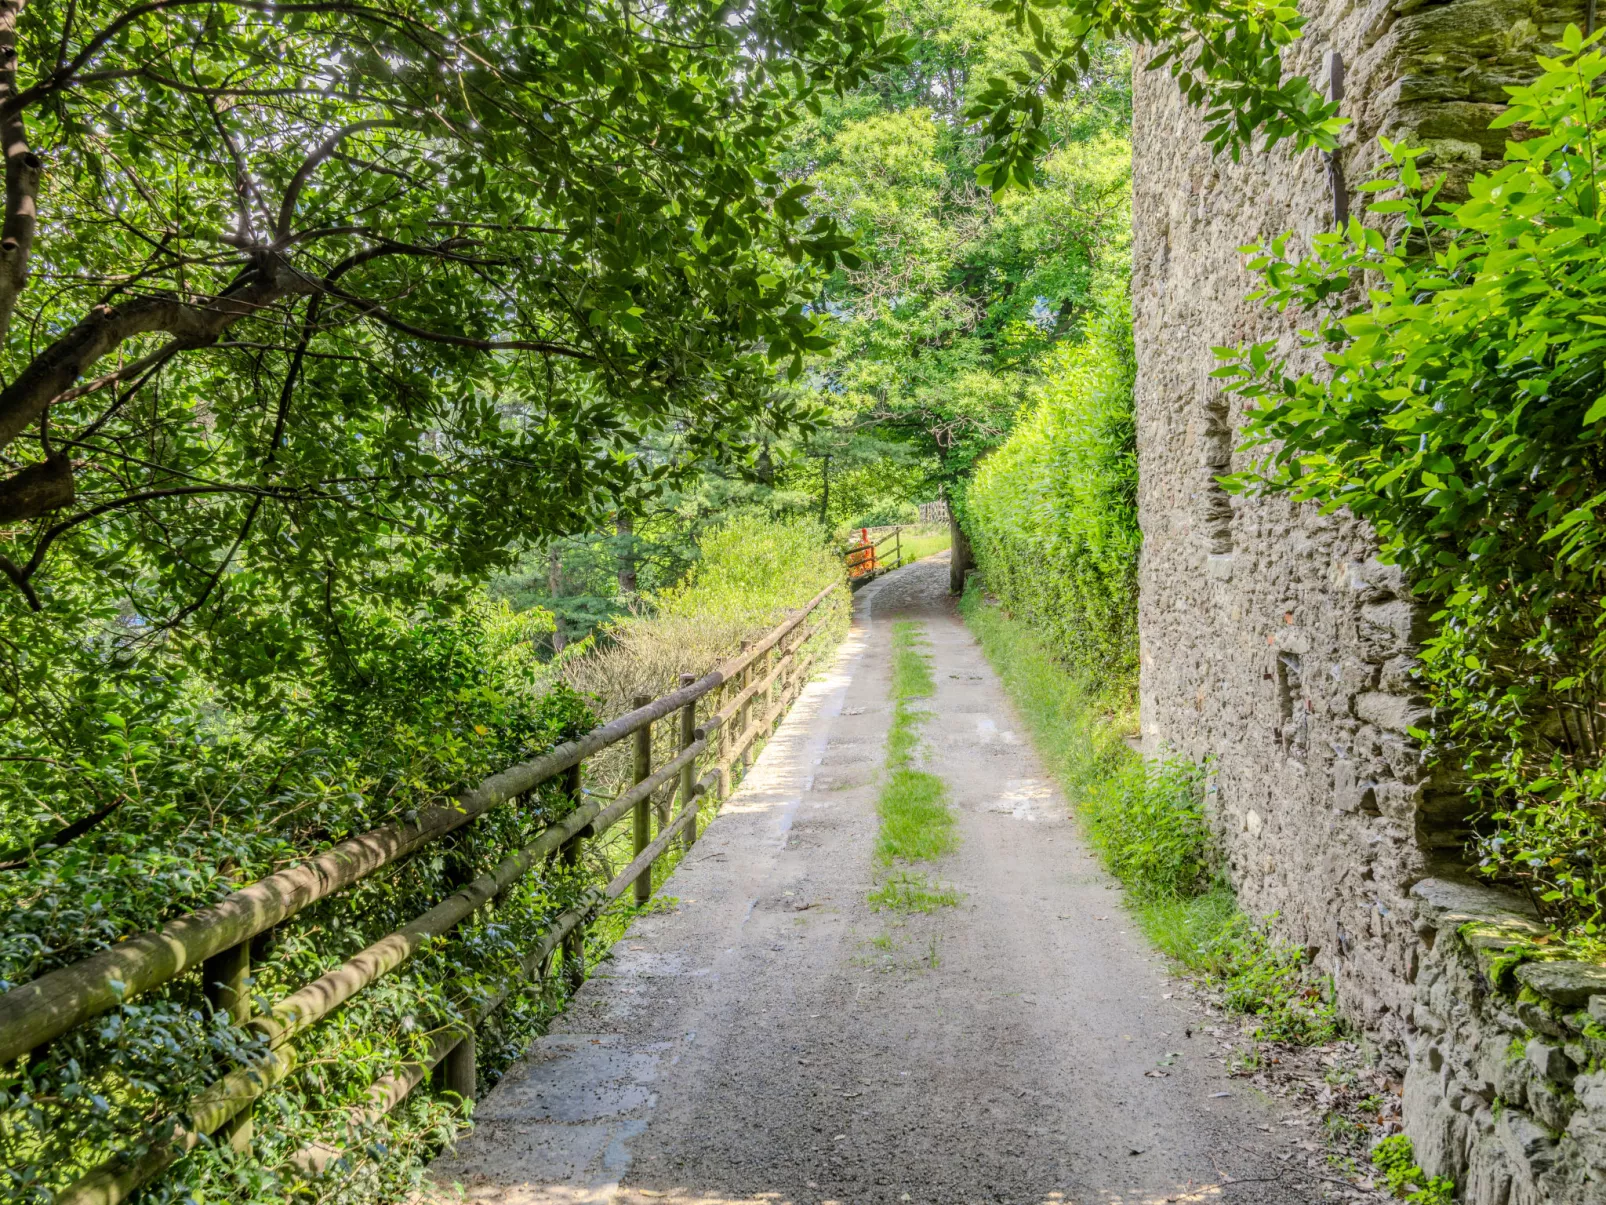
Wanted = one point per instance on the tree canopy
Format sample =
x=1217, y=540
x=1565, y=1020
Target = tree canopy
x=339, y=298
x=345, y=298
x=962, y=291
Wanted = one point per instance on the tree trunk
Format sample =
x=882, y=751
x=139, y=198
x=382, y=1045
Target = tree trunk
x=22, y=177
x=624, y=527
x=960, y=562
x=554, y=580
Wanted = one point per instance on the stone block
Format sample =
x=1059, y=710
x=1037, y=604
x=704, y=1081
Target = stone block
x=1569, y=984
x=1553, y=1107
x=1427, y=1021
x=1549, y=1061
x=1539, y=1018
x=1453, y=901
x=1387, y=629
x=1439, y=1135
x=1587, y=1129
x=1397, y=713
x=1526, y=1142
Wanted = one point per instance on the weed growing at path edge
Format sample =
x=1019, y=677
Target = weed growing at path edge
x=1397, y=1161
x=1147, y=822
x=916, y=823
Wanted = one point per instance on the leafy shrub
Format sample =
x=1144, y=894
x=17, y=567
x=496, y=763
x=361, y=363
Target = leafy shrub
x=1461, y=411
x=886, y=514
x=201, y=797
x=209, y=794
x=1052, y=515
x=208, y=798
x=1394, y=1157
x=750, y=573
x=1147, y=821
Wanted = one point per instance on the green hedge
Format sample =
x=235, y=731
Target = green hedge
x=1052, y=515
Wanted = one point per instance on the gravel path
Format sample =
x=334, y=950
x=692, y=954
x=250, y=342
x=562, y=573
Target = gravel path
x=772, y=1039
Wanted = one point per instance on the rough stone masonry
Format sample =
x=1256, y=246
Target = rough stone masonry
x=1275, y=644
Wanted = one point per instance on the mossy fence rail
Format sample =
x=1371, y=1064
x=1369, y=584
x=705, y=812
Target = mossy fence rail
x=762, y=681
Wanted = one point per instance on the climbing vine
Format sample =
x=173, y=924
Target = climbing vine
x=1461, y=409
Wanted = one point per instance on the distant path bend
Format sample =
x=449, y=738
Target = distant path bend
x=772, y=1039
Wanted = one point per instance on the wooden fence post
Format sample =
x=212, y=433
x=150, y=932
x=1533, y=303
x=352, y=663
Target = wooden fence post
x=761, y=668
x=897, y=535
x=227, y=983
x=688, y=772
x=574, y=942
x=459, y=1069
x=735, y=728
x=643, y=811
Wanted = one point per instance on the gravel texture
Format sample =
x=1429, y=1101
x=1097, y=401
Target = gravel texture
x=771, y=1038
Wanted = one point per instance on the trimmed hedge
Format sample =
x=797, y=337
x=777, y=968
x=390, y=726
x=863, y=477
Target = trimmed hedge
x=1052, y=515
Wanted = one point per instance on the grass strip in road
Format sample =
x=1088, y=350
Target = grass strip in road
x=1146, y=821
x=912, y=891
x=916, y=822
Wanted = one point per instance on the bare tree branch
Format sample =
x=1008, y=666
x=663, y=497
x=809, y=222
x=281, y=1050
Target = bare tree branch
x=57, y=369
x=292, y=193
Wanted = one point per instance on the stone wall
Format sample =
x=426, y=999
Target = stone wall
x=1272, y=640
x=1504, y=1095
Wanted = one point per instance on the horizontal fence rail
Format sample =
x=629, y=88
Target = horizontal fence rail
x=864, y=561
x=763, y=680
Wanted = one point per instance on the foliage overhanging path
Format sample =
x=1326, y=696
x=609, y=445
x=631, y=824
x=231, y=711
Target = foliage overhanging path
x=773, y=1033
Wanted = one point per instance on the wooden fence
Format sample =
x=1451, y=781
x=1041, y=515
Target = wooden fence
x=865, y=560
x=762, y=682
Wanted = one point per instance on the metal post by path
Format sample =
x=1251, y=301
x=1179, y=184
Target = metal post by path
x=688, y=772
x=574, y=942
x=227, y=979
x=643, y=811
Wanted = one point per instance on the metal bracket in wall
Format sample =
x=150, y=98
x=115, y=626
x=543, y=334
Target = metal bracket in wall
x=1334, y=64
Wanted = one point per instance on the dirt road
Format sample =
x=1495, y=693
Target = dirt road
x=773, y=1039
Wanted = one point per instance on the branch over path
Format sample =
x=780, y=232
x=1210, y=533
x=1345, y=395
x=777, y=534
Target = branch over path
x=773, y=1039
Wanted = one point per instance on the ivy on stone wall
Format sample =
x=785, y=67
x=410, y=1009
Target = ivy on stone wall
x=1462, y=412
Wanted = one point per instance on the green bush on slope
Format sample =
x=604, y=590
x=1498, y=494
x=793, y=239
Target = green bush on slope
x=211, y=794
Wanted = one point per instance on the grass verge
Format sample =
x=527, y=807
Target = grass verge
x=916, y=822
x=1147, y=822
x=917, y=548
